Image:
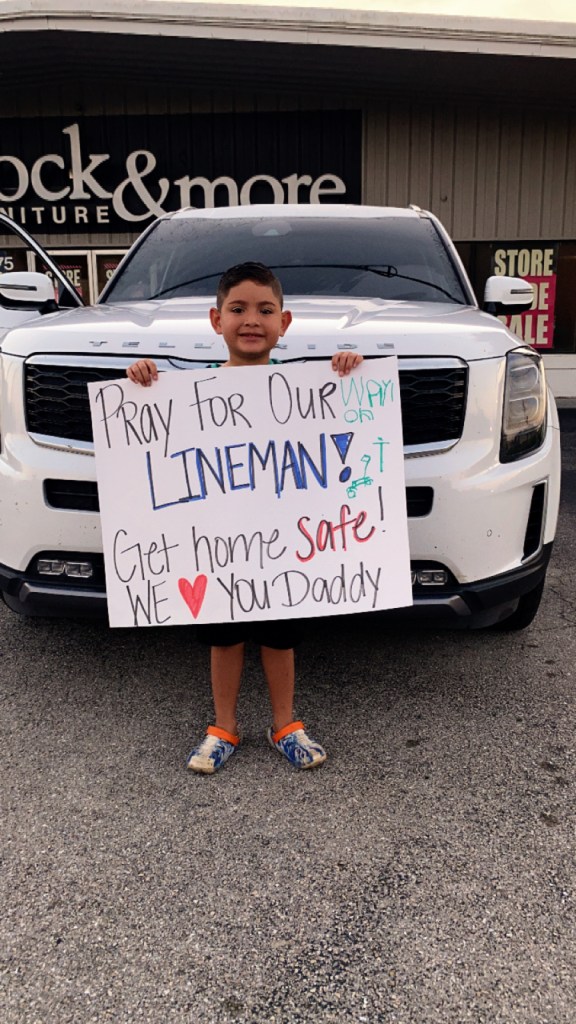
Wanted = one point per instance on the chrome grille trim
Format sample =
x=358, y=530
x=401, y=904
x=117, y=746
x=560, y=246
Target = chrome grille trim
x=62, y=444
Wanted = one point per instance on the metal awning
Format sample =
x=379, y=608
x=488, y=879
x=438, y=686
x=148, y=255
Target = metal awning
x=81, y=60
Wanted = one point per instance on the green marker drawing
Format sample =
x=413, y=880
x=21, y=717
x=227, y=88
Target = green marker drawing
x=381, y=444
x=362, y=481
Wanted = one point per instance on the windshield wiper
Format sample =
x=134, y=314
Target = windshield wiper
x=184, y=284
x=386, y=270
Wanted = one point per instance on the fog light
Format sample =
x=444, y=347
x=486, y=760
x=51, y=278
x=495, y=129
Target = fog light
x=79, y=569
x=47, y=567
x=430, y=577
x=57, y=567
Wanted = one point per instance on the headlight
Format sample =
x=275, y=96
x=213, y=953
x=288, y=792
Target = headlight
x=524, y=418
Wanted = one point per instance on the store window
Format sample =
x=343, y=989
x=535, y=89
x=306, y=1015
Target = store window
x=550, y=266
x=565, y=324
x=12, y=259
x=74, y=265
x=106, y=263
x=88, y=269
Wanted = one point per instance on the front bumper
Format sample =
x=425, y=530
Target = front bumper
x=479, y=604
x=455, y=605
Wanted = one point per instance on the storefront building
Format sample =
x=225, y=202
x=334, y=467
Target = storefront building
x=107, y=120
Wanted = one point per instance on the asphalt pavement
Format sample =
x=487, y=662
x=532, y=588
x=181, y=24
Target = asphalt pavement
x=424, y=875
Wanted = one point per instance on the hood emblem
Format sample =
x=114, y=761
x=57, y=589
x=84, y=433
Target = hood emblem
x=97, y=344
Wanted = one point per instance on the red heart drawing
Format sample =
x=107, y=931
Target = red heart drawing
x=193, y=593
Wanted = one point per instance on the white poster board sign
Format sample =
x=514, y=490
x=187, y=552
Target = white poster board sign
x=263, y=492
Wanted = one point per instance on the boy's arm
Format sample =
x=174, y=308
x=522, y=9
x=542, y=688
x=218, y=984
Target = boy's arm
x=144, y=371
x=343, y=362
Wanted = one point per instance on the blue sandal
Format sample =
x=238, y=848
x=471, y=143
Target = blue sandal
x=294, y=743
x=213, y=752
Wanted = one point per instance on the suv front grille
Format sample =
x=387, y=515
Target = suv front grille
x=433, y=401
x=57, y=402
x=433, y=404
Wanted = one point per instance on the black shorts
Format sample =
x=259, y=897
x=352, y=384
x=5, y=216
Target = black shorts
x=279, y=634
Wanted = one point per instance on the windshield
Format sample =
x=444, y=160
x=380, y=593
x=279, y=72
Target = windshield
x=386, y=258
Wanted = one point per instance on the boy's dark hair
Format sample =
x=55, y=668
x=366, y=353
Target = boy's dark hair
x=247, y=272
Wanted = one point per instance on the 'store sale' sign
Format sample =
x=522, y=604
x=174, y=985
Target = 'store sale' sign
x=264, y=492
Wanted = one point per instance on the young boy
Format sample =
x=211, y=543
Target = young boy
x=249, y=315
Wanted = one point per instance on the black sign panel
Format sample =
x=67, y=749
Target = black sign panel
x=118, y=173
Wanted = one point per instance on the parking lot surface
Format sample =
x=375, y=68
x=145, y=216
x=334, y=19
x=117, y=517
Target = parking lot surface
x=424, y=875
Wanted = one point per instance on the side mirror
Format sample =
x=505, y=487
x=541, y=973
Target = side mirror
x=25, y=288
x=507, y=295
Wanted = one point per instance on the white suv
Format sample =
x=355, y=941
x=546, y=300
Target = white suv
x=480, y=430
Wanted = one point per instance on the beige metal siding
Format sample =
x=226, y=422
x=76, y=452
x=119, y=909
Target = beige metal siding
x=487, y=173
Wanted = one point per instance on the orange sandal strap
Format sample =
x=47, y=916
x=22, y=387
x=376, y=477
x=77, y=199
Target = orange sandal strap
x=213, y=730
x=286, y=730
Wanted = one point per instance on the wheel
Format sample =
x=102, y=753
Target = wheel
x=528, y=606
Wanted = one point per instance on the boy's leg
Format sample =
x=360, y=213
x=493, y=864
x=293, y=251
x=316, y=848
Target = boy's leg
x=287, y=736
x=226, y=671
x=278, y=667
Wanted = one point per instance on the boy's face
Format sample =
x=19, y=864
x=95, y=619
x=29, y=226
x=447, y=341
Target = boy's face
x=250, y=321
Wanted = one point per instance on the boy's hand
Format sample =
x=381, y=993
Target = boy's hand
x=144, y=371
x=343, y=362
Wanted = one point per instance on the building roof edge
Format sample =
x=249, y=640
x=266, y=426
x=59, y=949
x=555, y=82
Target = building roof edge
x=284, y=24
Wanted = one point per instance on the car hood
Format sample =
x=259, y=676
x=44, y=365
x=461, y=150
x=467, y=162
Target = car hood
x=179, y=329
